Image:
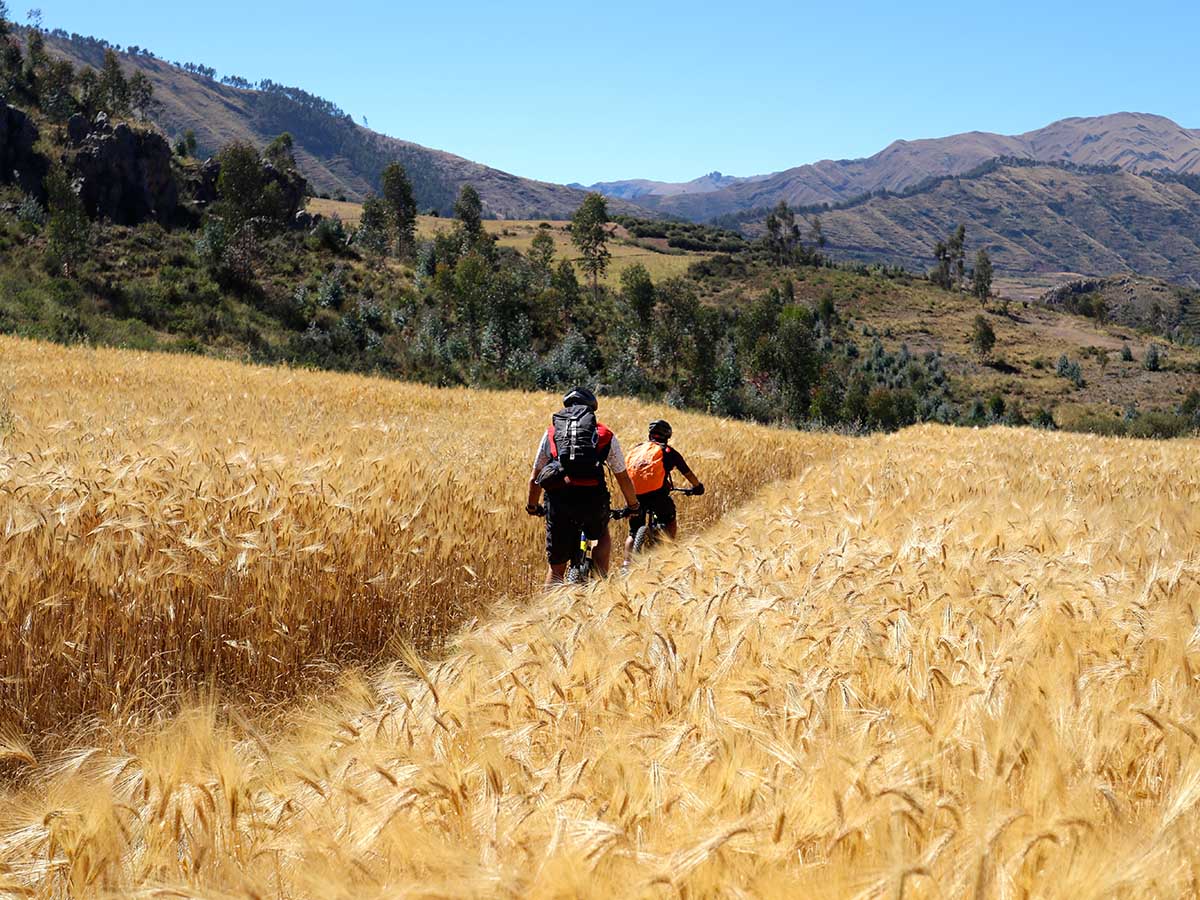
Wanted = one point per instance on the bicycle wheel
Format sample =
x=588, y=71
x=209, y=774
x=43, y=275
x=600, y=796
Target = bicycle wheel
x=579, y=572
x=643, y=538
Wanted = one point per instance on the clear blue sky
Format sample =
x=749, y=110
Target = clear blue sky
x=671, y=90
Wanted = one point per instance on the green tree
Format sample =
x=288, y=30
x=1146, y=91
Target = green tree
x=472, y=283
x=402, y=206
x=57, y=89
x=541, y=255
x=87, y=82
x=981, y=277
x=983, y=338
x=590, y=237
x=245, y=190
x=186, y=145
x=68, y=227
x=783, y=234
x=951, y=260
x=141, y=95
x=817, y=232
x=958, y=253
x=468, y=209
x=637, y=290
x=113, y=88
x=372, y=234
x=281, y=152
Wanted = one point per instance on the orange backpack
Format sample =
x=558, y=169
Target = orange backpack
x=645, y=466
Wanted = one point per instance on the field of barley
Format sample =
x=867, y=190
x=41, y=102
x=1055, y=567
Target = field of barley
x=941, y=663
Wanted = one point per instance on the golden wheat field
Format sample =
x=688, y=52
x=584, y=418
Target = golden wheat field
x=172, y=523
x=942, y=663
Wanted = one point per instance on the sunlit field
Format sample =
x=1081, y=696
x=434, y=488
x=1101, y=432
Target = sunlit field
x=172, y=523
x=520, y=233
x=942, y=663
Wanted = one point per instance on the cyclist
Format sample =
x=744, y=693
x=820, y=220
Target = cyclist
x=650, y=467
x=569, y=468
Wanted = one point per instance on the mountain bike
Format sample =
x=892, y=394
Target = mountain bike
x=580, y=567
x=651, y=533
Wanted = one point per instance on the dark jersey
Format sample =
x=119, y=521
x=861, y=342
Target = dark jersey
x=673, y=461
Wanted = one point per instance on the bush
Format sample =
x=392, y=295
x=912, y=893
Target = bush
x=1152, y=360
x=1126, y=353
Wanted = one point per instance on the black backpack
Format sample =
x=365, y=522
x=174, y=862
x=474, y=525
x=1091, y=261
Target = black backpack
x=575, y=442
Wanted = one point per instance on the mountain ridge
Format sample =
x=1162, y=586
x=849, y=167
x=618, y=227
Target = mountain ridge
x=338, y=156
x=1133, y=141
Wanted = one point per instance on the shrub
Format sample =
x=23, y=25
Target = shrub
x=1152, y=360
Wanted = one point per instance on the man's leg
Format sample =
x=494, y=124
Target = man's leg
x=603, y=553
x=673, y=529
x=555, y=574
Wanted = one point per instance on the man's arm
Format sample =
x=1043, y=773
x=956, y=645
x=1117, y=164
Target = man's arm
x=616, y=464
x=539, y=463
x=686, y=471
x=626, y=485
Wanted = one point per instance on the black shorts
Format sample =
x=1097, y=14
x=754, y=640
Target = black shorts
x=659, y=502
x=572, y=510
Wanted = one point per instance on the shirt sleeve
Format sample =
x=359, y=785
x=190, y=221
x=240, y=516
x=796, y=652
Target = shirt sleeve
x=543, y=455
x=615, y=459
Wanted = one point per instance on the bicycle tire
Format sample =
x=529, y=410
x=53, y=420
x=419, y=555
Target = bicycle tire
x=642, y=538
x=578, y=573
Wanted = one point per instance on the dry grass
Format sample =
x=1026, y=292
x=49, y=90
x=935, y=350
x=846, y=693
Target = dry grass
x=944, y=663
x=170, y=523
x=520, y=233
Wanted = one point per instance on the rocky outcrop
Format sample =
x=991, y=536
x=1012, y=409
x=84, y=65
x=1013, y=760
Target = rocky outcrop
x=124, y=173
x=20, y=163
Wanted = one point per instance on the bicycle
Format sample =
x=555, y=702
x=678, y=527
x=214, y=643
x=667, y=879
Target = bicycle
x=651, y=533
x=579, y=569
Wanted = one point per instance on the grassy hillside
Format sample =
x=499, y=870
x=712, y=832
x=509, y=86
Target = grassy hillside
x=879, y=677
x=336, y=155
x=909, y=314
x=1033, y=220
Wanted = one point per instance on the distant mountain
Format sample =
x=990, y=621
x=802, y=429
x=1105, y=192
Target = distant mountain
x=1136, y=142
x=1034, y=218
x=336, y=155
x=648, y=193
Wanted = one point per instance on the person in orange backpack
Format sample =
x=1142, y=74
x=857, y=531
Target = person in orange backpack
x=650, y=466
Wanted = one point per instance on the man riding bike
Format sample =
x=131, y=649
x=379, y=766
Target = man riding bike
x=650, y=467
x=569, y=467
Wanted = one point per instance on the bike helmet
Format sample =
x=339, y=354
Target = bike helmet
x=580, y=396
x=661, y=428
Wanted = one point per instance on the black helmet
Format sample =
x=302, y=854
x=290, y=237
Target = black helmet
x=662, y=428
x=580, y=396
